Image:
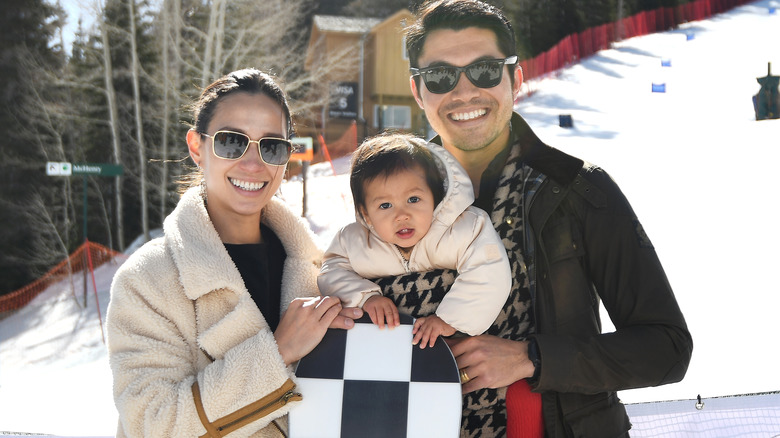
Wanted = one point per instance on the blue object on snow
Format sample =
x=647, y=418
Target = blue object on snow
x=659, y=88
x=666, y=63
x=688, y=36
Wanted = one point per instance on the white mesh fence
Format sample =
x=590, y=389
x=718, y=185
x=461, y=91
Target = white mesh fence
x=752, y=415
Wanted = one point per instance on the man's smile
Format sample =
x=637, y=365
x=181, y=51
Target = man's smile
x=470, y=115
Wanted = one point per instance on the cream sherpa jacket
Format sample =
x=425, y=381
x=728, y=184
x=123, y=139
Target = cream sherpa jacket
x=188, y=347
x=461, y=237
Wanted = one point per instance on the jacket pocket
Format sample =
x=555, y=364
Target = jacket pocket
x=247, y=414
x=606, y=418
x=562, y=240
x=571, y=291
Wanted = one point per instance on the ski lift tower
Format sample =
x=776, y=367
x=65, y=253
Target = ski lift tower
x=767, y=101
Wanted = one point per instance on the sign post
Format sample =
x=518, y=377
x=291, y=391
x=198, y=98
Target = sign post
x=100, y=169
x=84, y=169
x=304, y=152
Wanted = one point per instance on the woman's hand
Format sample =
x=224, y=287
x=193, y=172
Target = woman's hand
x=303, y=325
x=346, y=318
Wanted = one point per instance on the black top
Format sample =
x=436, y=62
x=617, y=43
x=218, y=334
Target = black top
x=261, y=266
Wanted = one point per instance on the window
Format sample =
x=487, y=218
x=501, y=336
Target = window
x=392, y=116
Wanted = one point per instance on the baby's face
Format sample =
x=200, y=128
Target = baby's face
x=400, y=207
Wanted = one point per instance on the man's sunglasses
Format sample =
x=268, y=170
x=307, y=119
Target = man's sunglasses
x=483, y=74
x=233, y=145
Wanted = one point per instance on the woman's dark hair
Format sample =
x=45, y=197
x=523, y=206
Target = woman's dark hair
x=388, y=153
x=249, y=80
x=457, y=15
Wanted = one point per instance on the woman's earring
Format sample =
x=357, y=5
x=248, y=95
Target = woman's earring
x=203, y=193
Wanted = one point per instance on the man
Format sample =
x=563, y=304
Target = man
x=571, y=236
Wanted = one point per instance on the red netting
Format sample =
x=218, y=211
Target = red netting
x=76, y=262
x=578, y=46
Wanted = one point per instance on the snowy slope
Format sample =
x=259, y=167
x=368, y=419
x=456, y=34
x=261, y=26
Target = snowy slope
x=693, y=162
x=699, y=172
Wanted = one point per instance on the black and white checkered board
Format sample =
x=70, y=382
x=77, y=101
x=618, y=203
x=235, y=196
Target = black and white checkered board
x=367, y=382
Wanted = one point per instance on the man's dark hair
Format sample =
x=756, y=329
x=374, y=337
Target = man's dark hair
x=457, y=15
x=386, y=154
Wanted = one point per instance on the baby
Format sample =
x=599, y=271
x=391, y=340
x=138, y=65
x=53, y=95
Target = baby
x=414, y=214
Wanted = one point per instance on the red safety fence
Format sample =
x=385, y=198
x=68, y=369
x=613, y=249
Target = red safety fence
x=76, y=262
x=586, y=43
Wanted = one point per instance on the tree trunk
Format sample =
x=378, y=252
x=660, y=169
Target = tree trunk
x=166, y=17
x=113, y=120
x=136, y=72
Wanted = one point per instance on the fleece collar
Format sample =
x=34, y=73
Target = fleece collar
x=225, y=311
x=204, y=263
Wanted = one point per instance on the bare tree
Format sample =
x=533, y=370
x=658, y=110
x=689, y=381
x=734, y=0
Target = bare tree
x=113, y=123
x=213, y=40
x=139, y=126
x=269, y=35
x=43, y=117
x=169, y=19
x=46, y=247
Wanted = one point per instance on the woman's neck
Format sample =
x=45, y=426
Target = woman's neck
x=237, y=229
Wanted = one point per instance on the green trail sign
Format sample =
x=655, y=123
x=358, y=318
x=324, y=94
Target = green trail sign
x=84, y=169
x=102, y=169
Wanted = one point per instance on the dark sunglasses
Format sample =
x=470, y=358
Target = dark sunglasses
x=483, y=74
x=233, y=145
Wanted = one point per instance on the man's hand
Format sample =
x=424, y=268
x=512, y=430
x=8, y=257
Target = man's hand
x=381, y=309
x=490, y=361
x=427, y=328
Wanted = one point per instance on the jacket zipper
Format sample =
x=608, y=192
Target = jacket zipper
x=286, y=397
x=404, y=262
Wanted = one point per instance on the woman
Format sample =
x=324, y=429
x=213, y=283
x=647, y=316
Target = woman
x=205, y=322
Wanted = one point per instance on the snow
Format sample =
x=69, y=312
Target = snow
x=696, y=166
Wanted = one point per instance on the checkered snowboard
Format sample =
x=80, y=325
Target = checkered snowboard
x=366, y=382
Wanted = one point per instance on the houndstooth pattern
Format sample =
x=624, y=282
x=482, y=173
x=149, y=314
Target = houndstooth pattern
x=418, y=294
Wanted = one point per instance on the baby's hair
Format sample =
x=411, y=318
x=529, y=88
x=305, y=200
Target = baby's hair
x=388, y=153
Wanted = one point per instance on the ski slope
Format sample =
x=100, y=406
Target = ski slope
x=696, y=166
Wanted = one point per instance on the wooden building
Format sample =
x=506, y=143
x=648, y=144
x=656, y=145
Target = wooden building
x=367, y=86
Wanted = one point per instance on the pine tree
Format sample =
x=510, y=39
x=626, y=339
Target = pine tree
x=27, y=27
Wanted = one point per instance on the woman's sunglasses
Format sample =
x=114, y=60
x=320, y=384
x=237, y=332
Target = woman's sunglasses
x=233, y=145
x=483, y=74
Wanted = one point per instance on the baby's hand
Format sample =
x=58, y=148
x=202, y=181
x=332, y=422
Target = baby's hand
x=381, y=309
x=428, y=328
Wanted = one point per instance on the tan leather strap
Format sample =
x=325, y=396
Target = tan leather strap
x=211, y=431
